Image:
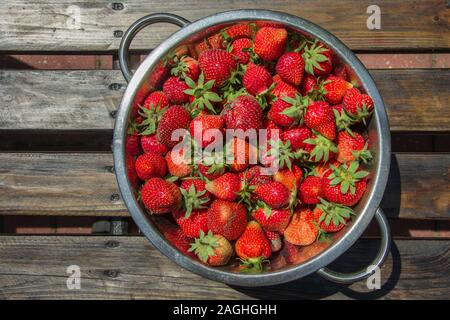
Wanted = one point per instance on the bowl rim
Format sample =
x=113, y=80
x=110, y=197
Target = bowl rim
x=325, y=257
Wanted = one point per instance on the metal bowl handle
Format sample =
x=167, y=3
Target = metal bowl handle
x=364, y=273
x=138, y=26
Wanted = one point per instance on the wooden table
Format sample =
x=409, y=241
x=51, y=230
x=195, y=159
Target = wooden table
x=56, y=128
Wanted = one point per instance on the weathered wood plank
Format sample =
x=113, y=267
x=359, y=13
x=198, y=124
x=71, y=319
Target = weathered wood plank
x=82, y=184
x=416, y=100
x=90, y=25
x=130, y=268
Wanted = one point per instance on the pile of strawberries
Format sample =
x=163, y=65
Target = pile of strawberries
x=251, y=76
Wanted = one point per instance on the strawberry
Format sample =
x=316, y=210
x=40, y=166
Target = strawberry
x=176, y=117
x=212, y=249
x=244, y=113
x=256, y=79
x=356, y=104
x=320, y=148
x=227, y=218
x=150, y=165
x=226, y=187
x=291, y=253
x=344, y=184
x=343, y=120
x=291, y=67
x=331, y=217
x=195, y=196
x=217, y=65
x=156, y=99
x=288, y=111
x=254, y=176
x=269, y=43
x=204, y=123
x=253, y=247
x=274, y=194
x=301, y=231
x=202, y=96
x=240, y=49
x=211, y=171
x=131, y=170
x=174, y=90
x=318, y=59
x=275, y=240
x=132, y=144
x=186, y=67
x=178, y=163
x=310, y=190
x=150, y=144
x=309, y=84
x=290, y=178
x=320, y=117
x=282, y=88
x=160, y=196
x=341, y=72
x=351, y=148
x=296, y=137
x=272, y=220
x=160, y=73
x=216, y=41
x=201, y=47
x=239, y=154
x=175, y=236
x=237, y=31
x=335, y=89
x=191, y=225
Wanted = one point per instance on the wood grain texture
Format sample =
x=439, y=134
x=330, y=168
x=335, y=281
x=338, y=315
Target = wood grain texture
x=130, y=268
x=50, y=25
x=82, y=184
x=416, y=100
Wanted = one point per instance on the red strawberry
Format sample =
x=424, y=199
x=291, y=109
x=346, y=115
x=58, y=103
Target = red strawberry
x=244, y=113
x=240, y=153
x=186, y=67
x=239, y=48
x=256, y=79
x=217, y=64
x=227, y=218
x=174, y=90
x=211, y=172
x=201, y=47
x=309, y=84
x=253, y=247
x=274, y=194
x=212, y=249
x=288, y=111
x=331, y=217
x=341, y=72
x=237, y=31
x=310, y=190
x=356, y=104
x=301, y=231
x=275, y=240
x=156, y=99
x=291, y=67
x=204, y=123
x=131, y=170
x=175, y=236
x=272, y=220
x=202, y=95
x=318, y=59
x=290, y=178
x=296, y=136
x=178, y=164
x=159, y=75
x=160, y=196
x=352, y=148
x=150, y=165
x=176, y=117
x=320, y=117
x=226, y=187
x=199, y=188
x=282, y=88
x=254, y=176
x=150, y=144
x=193, y=224
x=132, y=144
x=344, y=184
x=269, y=43
x=335, y=89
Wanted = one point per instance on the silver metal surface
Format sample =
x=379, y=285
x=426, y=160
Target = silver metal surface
x=379, y=136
